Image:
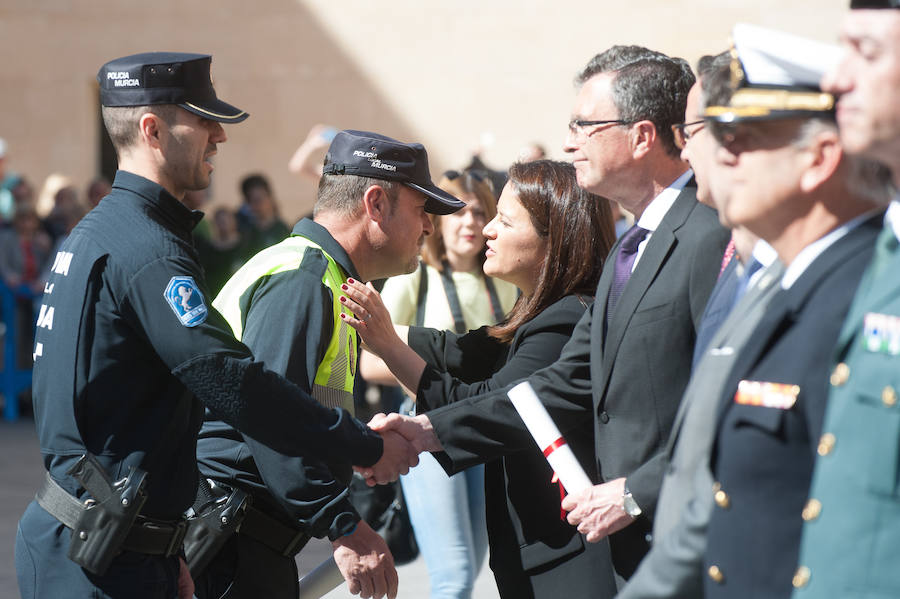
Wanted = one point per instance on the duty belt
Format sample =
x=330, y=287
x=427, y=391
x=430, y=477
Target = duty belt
x=277, y=536
x=147, y=535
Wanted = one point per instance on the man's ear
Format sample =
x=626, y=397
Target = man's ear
x=825, y=155
x=376, y=203
x=643, y=138
x=149, y=127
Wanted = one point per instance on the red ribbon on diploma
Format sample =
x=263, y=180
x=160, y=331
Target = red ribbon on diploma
x=554, y=446
x=562, y=493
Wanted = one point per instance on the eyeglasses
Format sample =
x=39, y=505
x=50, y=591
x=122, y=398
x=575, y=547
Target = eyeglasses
x=576, y=126
x=478, y=175
x=725, y=134
x=682, y=135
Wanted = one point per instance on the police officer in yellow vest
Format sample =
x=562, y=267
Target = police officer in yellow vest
x=370, y=220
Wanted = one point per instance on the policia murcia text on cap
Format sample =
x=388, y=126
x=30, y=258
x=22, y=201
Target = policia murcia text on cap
x=128, y=351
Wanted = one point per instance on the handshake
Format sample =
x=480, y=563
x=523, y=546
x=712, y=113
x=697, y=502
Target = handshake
x=405, y=437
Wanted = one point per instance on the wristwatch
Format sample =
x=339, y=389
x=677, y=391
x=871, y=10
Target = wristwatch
x=629, y=504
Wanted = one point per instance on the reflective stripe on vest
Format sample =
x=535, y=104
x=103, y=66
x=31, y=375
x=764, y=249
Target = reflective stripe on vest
x=333, y=384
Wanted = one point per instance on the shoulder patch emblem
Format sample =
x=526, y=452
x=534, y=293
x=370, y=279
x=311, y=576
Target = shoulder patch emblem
x=186, y=301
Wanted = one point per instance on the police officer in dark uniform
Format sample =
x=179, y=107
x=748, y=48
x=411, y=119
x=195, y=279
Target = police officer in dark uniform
x=370, y=219
x=127, y=349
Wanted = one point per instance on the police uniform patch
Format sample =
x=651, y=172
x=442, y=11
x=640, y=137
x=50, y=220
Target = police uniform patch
x=881, y=333
x=767, y=395
x=186, y=301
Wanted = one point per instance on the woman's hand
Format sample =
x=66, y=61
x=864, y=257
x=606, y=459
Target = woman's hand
x=372, y=320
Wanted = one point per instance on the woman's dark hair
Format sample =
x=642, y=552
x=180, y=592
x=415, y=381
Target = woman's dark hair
x=578, y=227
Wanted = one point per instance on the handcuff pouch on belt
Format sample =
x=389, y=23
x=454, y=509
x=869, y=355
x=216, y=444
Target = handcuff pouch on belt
x=214, y=522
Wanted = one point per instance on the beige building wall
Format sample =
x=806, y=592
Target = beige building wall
x=455, y=75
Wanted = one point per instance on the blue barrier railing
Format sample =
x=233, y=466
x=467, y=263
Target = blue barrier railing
x=12, y=379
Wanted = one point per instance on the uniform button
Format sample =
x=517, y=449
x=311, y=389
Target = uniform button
x=812, y=509
x=604, y=417
x=716, y=574
x=840, y=374
x=721, y=497
x=888, y=396
x=801, y=577
x=826, y=444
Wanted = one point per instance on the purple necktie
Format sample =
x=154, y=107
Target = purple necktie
x=624, y=263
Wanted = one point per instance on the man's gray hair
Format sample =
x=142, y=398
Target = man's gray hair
x=342, y=194
x=648, y=86
x=865, y=178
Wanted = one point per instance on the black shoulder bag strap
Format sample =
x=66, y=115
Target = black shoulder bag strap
x=423, y=291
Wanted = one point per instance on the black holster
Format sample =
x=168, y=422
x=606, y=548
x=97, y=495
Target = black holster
x=215, y=521
x=101, y=528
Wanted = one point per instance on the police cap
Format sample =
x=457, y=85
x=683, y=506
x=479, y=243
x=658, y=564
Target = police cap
x=165, y=78
x=368, y=154
x=866, y=4
x=775, y=75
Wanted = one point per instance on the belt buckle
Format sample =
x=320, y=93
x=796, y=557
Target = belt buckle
x=178, y=533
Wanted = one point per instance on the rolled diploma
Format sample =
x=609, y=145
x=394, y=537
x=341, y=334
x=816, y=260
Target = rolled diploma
x=322, y=580
x=548, y=438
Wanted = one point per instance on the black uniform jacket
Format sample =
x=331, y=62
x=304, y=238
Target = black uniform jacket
x=763, y=454
x=118, y=374
x=630, y=378
x=533, y=549
x=287, y=324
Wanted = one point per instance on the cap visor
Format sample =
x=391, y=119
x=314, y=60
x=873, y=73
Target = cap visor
x=217, y=110
x=437, y=200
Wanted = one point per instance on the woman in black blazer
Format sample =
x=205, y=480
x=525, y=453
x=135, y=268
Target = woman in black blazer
x=548, y=238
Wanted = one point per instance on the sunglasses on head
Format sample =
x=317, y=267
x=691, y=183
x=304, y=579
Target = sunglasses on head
x=478, y=175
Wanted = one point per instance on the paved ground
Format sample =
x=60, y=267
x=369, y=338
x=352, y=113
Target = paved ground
x=21, y=471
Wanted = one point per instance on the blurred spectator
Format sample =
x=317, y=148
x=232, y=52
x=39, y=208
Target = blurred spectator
x=531, y=152
x=97, y=189
x=66, y=206
x=24, y=250
x=263, y=226
x=308, y=158
x=7, y=182
x=46, y=200
x=223, y=252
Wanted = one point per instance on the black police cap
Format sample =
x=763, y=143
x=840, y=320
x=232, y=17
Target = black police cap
x=865, y=4
x=165, y=78
x=368, y=154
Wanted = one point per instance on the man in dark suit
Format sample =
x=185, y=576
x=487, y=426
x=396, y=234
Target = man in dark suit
x=791, y=184
x=850, y=549
x=629, y=358
x=673, y=568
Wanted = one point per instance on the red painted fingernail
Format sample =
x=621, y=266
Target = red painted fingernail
x=343, y=299
x=344, y=287
x=350, y=281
